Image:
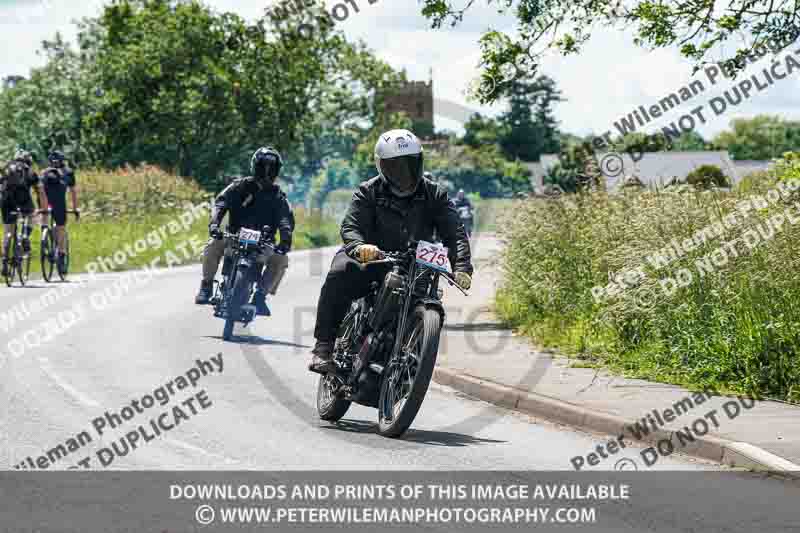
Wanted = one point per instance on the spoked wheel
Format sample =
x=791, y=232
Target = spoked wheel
x=24, y=267
x=11, y=258
x=46, y=254
x=63, y=269
x=239, y=294
x=330, y=405
x=405, y=382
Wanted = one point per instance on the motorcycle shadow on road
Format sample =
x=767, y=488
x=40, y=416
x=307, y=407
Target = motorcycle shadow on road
x=257, y=341
x=418, y=436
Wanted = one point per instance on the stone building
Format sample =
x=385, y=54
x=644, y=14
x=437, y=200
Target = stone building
x=415, y=98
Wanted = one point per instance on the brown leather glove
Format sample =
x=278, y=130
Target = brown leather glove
x=464, y=280
x=367, y=252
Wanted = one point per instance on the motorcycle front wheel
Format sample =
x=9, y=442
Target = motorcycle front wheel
x=239, y=293
x=406, y=382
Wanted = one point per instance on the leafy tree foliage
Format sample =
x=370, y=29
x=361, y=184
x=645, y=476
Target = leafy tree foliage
x=531, y=128
x=177, y=84
x=760, y=137
x=700, y=29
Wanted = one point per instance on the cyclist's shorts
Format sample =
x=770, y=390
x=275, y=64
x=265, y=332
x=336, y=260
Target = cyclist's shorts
x=16, y=199
x=58, y=206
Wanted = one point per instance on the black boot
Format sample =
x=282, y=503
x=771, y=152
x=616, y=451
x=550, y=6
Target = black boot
x=260, y=301
x=204, y=295
x=322, y=362
x=5, y=268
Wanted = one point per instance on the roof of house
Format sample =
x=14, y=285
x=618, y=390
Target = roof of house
x=654, y=169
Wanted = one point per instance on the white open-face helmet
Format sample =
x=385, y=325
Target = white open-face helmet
x=398, y=157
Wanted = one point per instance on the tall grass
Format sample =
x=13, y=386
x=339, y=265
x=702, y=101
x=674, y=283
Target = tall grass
x=734, y=325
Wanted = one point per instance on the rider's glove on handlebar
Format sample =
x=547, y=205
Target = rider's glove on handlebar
x=464, y=280
x=367, y=252
x=213, y=231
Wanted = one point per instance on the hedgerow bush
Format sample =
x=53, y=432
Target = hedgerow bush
x=724, y=312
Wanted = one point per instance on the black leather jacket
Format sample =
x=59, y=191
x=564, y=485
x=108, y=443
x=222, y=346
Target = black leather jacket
x=377, y=216
x=253, y=207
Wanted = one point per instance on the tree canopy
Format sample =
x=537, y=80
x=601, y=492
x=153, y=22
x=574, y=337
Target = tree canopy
x=702, y=30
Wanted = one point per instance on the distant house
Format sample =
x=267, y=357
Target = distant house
x=653, y=169
x=748, y=166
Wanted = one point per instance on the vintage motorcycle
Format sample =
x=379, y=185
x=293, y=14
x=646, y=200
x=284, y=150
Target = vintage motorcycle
x=387, y=345
x=240, y=273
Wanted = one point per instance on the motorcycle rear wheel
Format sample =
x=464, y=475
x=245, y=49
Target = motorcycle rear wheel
x=404, y=386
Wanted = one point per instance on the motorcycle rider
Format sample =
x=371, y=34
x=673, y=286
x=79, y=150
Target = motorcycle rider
x=16, y=182
x=385, y=213
x=253, y=202
x=56, y=180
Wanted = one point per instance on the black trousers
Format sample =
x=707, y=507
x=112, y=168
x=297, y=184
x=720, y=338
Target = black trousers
x=347, y=281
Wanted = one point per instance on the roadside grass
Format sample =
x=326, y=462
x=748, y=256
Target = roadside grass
x=129, y=205
x=733, y=326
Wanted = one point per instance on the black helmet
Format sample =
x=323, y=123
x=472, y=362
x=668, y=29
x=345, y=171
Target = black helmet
x=56, y=158
x=266, y=163
x=24, y=156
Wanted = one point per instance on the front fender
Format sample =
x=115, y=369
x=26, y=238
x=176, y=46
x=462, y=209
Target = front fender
x=430, y=303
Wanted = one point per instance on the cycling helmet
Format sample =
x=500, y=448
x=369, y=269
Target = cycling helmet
x=56, y=158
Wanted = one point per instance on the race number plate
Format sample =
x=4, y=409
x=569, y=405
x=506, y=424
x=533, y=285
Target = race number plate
x=249, y=236
x=433, y=256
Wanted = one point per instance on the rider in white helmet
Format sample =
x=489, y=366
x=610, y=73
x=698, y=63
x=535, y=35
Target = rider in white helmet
x=387, y=212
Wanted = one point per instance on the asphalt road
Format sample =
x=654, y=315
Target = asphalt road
x=138, y=338
x=127, y=342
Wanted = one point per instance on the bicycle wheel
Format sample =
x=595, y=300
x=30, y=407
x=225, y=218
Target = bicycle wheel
x=23, y=266
x=46, y=254
x=405, y=383
x=64, y=270
x=11, y=258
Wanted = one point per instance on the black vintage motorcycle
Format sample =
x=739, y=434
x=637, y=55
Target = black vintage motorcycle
x=240, y=272
x=387, y=344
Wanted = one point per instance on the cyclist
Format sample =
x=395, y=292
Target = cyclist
x=16, y=182
x=56, y=180
x=253, y=202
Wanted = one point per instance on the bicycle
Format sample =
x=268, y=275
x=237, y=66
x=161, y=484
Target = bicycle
x=20, y=262
x=47, y=254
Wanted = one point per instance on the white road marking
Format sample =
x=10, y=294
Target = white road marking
x=84, y=399
x=78, y=395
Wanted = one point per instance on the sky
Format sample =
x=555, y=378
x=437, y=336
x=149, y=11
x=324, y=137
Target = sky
x=609, y=79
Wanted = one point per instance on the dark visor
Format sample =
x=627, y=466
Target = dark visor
x=403, y=172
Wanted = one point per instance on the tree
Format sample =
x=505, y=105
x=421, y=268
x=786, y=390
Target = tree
x=700, y=29
x=760, y=137
x=707, y=176
x=480, y=130
x=530, y=126
x=180, y=85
